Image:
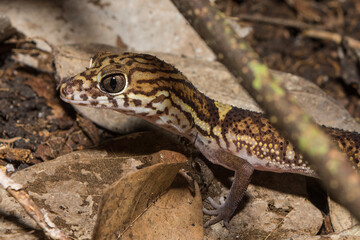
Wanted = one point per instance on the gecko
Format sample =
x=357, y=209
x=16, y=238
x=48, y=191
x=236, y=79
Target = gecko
x=237, y=139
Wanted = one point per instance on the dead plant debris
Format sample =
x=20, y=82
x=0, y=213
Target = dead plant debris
x=318, y=40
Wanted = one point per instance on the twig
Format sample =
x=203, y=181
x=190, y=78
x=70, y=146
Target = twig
x=11, y=140
x=276, y=21
x=317, y=148
x=39, y=215
x=312, y=31
x=335, y=37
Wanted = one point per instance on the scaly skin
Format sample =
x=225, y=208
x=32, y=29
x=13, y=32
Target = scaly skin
x=237, y=139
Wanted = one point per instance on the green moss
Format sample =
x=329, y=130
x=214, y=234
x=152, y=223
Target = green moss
x=277, y=88
x=242, y=45
x=260, y=71
x=314, y=149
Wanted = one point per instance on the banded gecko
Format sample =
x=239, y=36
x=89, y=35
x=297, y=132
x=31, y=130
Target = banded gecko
x=235, y=138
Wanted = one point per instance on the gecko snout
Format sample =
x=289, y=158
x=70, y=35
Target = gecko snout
x=66, y=90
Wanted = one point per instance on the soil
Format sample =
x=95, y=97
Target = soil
x=287, y=47
x=35, y=125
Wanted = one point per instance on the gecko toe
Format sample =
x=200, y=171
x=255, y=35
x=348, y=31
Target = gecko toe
x=214, y=204
x=220, y=216
x=210, y=212
x=221, y=211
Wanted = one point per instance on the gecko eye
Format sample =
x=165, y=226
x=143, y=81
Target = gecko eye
x=113, y=83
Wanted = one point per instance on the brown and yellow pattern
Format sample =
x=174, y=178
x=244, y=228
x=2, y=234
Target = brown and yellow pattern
x=145, y=86
x=156, y=90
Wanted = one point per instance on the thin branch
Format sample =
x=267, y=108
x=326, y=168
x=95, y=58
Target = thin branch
x=11, y=140
x=335, y=37
x=312, y=31
x=39, y=215
x=316, y=147
x=276, y=21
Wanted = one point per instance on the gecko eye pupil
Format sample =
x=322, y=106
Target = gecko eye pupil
x=113, y=83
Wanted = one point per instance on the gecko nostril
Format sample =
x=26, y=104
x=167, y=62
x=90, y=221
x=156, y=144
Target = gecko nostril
x=66, y=90
x=69, y=89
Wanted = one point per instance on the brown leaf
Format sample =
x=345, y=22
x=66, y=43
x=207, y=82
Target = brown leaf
x=89, y=129
x=128, y=202
x=175, y=215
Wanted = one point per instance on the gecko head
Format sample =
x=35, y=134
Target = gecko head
x=129, y=82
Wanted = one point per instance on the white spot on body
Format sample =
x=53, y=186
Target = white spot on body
x=290, y=155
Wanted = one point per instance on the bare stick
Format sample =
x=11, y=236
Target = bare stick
x=312, y=31
x=11, y=140
x=39, y=215
x=276, y=21
x=334, y=37
x=337, y=174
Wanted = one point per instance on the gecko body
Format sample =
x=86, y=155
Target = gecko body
x=235, y=138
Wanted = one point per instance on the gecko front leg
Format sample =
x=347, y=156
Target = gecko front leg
x=243, y=172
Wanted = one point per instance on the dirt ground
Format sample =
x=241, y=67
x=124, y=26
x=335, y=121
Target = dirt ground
x=283, y=39
x=35, y=124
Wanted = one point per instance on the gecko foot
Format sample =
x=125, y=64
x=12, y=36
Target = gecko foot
x=226, y=209
x=222, y=212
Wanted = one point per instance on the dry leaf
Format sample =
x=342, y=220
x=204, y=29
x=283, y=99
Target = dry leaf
x=125, y=202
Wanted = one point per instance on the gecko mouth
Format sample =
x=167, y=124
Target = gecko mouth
x=77, y=102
